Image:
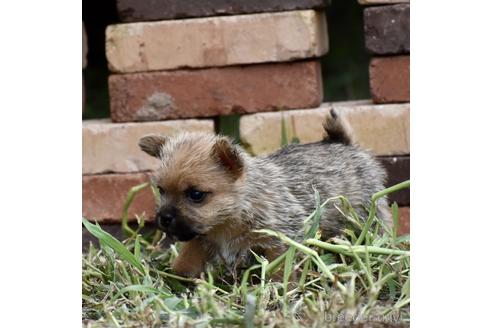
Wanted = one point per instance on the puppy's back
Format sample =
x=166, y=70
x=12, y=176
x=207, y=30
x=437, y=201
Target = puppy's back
x=334, y=167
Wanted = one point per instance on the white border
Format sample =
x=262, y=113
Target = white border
x=40, y=135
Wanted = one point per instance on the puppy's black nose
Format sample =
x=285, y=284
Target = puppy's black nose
x=165, y=217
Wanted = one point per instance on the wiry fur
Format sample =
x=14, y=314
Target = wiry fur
x=335, y=131
x=249, y=193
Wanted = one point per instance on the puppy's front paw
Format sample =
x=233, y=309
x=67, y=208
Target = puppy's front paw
x=185, y=268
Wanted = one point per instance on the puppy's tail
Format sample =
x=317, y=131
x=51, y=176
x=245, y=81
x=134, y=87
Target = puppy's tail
x=335, y=131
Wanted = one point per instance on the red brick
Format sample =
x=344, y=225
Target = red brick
x=103, y=197
x=390, y=79
x=139, y=11
x=215, y=91
x=404, y=221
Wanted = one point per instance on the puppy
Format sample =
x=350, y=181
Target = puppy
x=214, y=194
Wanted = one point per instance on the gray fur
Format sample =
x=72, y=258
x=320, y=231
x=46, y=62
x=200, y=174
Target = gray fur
x=275, y=191
x=279, y=193
x=288, y=177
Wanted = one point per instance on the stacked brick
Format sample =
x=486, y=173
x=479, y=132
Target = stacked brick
x=177, y=65
x=205, y=67
x=387, y=35
x=387, y=38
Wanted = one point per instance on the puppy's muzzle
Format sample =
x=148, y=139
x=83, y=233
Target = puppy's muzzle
x=168, y=221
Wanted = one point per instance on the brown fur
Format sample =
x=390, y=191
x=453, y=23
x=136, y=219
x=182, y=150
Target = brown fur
x=191, y=259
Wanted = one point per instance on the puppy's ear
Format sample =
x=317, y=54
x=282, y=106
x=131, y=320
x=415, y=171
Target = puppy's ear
x=228, y=156
x=152, y=144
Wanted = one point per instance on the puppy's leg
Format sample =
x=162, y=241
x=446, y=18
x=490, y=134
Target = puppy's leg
x=191, y=259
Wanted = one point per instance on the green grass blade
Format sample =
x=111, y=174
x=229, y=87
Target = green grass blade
x=284, y=139
x=129, y=199
x=394, y=211
x=304, y=273
x=287, y=240
x=136, y=250
x=275, y=263
x=348, y=249
x=114, y=244
x=288, y=266
x=316, y=217
x=250, y=310
x=373, y=208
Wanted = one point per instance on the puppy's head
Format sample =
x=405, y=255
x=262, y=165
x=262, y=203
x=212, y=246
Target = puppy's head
x=200, y=181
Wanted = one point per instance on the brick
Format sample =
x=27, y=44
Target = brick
x=390, y=79
x=216, y=41
x=84, y=47
x=387, y=29
x=382, y=2
x=382, y=129
x=139, y=11
x=261, y=133
x=113, y=147
x=404, y=221
x=103, y=197
x=398, y=169
x=215, y=91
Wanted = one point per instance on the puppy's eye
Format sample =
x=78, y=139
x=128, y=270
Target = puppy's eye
x=161, y=190
x=196, y=196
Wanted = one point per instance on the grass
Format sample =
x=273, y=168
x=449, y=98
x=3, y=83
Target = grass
x=361, y=277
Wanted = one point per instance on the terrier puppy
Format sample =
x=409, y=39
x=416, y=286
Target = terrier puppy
x=214, y=194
